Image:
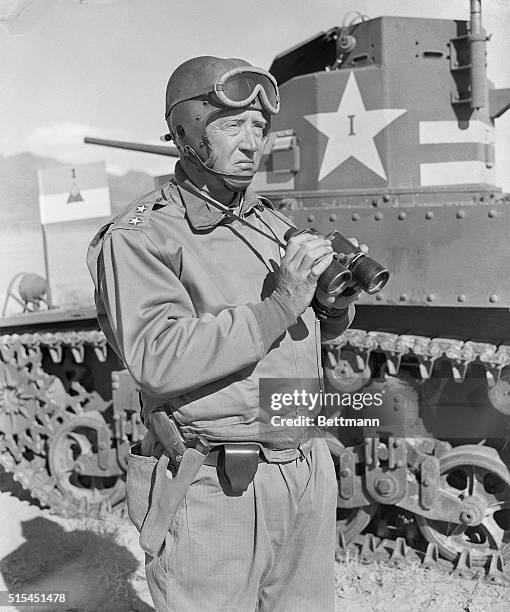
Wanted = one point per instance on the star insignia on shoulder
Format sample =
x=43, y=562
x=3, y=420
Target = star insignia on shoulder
x=142, y=208
x=135, y=221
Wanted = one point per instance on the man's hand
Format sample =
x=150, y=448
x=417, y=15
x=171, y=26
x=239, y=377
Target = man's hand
x=306, y=258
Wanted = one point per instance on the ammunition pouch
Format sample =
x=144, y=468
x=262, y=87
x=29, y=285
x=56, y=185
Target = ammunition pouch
x=236, y=464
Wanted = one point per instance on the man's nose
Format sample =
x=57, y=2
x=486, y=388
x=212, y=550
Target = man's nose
x=249, y=141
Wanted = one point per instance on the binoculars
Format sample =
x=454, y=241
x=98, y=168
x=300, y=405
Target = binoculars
x=350, y=266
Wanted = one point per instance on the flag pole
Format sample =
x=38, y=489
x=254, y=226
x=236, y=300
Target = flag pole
x=46, y=268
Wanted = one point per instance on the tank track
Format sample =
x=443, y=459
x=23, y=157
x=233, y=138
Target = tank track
x=461, y=354
x=34, y=406
x=420, y=353
x=55, y=342
x=369, y=548
x=24, y=454
x=34, y=478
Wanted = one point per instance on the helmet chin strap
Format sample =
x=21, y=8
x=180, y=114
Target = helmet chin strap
x=232, y=182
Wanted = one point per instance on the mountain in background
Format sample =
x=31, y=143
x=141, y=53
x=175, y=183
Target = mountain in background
x=19, y=191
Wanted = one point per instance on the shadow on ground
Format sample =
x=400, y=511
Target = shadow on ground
x=89, y=565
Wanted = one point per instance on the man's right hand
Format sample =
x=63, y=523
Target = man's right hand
x=307, y=256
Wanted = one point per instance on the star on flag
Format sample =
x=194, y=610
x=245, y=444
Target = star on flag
x=351, y=130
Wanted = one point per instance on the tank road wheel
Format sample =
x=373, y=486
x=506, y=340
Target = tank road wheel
x=343, y=374
x=475, y=473
x=74, y=444
x=351, y=521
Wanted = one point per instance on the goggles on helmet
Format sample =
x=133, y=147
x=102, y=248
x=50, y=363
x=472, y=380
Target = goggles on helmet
x=238, y=88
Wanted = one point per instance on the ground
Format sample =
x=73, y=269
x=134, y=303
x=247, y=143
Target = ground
x=100, y=565
x=379, y=588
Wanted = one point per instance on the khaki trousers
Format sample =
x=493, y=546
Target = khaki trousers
x=269, y=550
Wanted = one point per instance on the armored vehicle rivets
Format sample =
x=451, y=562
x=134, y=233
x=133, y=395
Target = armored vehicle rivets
x=403, y=297
x=461, y=298
x=492, y=213
x=460, y=214
x=429, y=214
x=310, y=218
x=378, y=216
x=355, y=217
x=402, y=215
x=431, y=297
x=493, y=298
x=332, y=218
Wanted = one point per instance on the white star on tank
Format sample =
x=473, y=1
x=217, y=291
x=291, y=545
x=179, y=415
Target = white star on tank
x=351, y=130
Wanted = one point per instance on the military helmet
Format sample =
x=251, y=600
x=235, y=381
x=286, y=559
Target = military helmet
x=203, y=86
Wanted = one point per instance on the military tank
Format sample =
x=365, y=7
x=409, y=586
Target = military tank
x=385, y=133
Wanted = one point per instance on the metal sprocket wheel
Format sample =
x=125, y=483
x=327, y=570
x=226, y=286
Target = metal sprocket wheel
x=343, y=374
x=473, y=472
x=75, y=439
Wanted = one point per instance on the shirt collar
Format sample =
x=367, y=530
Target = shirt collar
x=200, y=213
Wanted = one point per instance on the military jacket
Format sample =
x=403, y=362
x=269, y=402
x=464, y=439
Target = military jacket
x=173, y=280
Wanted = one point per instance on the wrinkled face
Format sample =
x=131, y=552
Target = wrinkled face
x=238, y=139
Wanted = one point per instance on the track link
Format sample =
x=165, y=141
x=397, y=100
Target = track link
x=371, y=549
x=460, y=354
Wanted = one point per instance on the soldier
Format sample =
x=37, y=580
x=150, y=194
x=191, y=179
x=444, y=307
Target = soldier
x=200, y=295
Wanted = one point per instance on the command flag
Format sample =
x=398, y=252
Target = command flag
x=68, y=193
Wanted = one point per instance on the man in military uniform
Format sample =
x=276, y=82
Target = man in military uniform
x=201, y=296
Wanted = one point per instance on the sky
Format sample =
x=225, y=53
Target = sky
x=72, y=68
